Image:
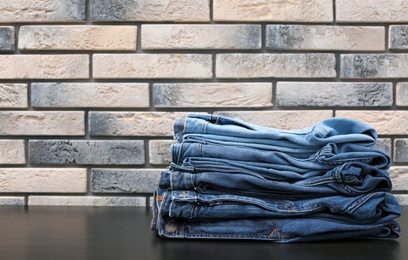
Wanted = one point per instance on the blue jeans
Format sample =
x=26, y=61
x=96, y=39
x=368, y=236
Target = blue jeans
x=328, y=157
x=367, y=208
x=333, y=130
x=281, y=230
x=231, y=179
x=350, y=179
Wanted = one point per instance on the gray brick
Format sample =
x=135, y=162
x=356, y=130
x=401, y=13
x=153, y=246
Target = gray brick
x=322, y=37
x=384, y=144
x=12, y=201
x=88, y=201
x=159, y=152
x=124, y=181
x=398, y=37
x=334, y=94
x=118, y=95
x=7, y=38
x=150, y=10
x=132, y=123
x=402, y=94
x=374, y=65
x=83, y=152
x=208, y=36
x=212, y=95
x=42, y=11
x=13, y=95
x=401, y=150
x=279, y=65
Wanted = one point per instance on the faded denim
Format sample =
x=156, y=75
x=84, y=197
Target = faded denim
x=324, y=159
x=350, y=179
x=222, y=129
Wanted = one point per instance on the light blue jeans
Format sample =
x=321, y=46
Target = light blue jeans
x=350, y=179
x=328, y=157
x=221, y=129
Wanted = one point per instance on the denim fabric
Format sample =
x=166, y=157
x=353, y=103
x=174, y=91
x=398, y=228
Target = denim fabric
x=333, y=130
x=281, y=230
x=275, y=230
x=349, y=179
x=233, y=180
x=365, y=208
x=266, y=170
x=325, y=159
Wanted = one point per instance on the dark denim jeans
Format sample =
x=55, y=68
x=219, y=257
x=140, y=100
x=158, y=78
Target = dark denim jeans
x=275, y=229
x=367, y=208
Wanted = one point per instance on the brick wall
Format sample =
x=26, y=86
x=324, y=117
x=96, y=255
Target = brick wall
x=89, y=89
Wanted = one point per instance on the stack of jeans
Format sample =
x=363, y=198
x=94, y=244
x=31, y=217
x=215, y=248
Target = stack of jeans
x=233, y=180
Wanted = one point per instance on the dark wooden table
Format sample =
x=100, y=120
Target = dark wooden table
x=124, y=233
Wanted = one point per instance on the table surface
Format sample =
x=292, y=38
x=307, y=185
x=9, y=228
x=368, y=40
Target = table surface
x=124, y=233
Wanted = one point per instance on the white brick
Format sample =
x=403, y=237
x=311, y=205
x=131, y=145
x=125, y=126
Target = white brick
x=219, y=36
x=402, y=94
x=385, y=122
x=13, y=95
x=117, y=66
x=42, y=11
x=375, y=11
x=43, y=180
x=274, y=10
x=83, y=37
x=287, y=120
x=399, y=178
x=42, y=123
x=75, y=66
x=12, y=152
